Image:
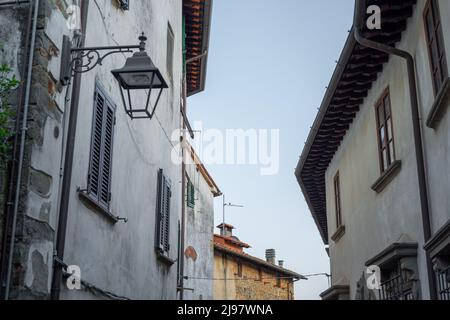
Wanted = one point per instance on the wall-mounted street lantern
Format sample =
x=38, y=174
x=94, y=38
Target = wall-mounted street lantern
x=139, y=75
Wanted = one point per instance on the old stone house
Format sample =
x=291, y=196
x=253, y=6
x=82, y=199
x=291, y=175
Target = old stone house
x=374, y=170
x=201, y=190
x=92, y=194
x=240, y=276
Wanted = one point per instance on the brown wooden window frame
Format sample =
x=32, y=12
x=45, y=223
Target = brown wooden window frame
x=435, y=44
x=170, y=54
x=385, y=131
x=337, y=199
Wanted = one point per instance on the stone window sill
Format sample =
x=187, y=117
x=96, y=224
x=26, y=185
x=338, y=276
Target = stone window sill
x=338, y=234
x=439, y=106
x=440, y=242
x=164, y=258
x=92, y=204
x=387, y=177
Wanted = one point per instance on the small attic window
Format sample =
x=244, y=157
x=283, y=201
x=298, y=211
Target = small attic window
x=124, y=4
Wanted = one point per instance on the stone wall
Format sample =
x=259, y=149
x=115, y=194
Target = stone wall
x=12, y=25
x=254, y=283
x=33, y=254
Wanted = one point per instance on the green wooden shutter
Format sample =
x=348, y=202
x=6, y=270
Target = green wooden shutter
x=100, y=162
x=163, y=212
x=190, y=195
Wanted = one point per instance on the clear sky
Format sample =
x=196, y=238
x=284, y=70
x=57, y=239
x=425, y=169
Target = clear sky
x=269, y=64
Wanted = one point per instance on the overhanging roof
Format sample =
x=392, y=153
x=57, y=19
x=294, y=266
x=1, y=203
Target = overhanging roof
x=204, y=172
x=259, y=262
x=357, y=69
x=198, y=24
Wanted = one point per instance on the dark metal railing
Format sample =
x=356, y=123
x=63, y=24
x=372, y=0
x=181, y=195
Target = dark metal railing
x=396, y=288
x=443, y=280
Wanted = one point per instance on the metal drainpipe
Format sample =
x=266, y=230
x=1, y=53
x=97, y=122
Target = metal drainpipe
x=360, y=11
x=68, y=166
x=21, y=149
x=183, y=193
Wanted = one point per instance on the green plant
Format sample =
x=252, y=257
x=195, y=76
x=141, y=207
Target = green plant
x=7, y=84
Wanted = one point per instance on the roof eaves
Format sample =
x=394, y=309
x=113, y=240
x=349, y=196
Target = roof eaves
x=337, y=74
x=260, y=262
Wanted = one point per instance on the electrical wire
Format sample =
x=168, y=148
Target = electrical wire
x=240, y=279
x=96, y=290
x=256, y=279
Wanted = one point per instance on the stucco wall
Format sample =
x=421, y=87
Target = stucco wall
x=199, y=236
x=121, y=258
x=374, y=221
x=436, y=141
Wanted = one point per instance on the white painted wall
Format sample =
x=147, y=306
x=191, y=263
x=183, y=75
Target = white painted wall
x=199, y=235
x=121, y=258
x=437, y=142
x=374, y=221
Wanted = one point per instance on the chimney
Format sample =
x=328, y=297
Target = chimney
x=270, y=256
x=281, y=263
x=226, y=230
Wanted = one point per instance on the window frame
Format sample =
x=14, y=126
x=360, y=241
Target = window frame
x=438, y=36
x=337, y=200
x=392, y=158
x=239, y=269
x=170, y=50
x=190, y=194
x=162, y=243
x=107, y=104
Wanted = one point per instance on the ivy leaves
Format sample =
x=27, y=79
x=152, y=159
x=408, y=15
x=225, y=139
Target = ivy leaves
x=7, y=84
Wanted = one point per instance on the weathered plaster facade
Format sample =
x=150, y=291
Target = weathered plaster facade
x=374, y=221
x=119, y=258
x=199, y=249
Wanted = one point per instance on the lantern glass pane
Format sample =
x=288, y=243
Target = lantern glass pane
x=140, y=80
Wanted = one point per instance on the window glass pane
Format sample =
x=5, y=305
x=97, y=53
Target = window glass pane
x=170, y=51
x=380, y=115
x=387, y=106
x=389, y=130
x=435, y=12
x=382, y=137
x=429, y=24
x=385, y=159
x=391, y=151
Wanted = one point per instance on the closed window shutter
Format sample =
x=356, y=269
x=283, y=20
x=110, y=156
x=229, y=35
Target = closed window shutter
x=190, y=195
x=163, y=212
x=168, y=195
x=105, y=185
x=99, y=184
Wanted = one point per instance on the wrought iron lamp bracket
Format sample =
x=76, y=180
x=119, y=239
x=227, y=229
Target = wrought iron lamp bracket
x=82, y=60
